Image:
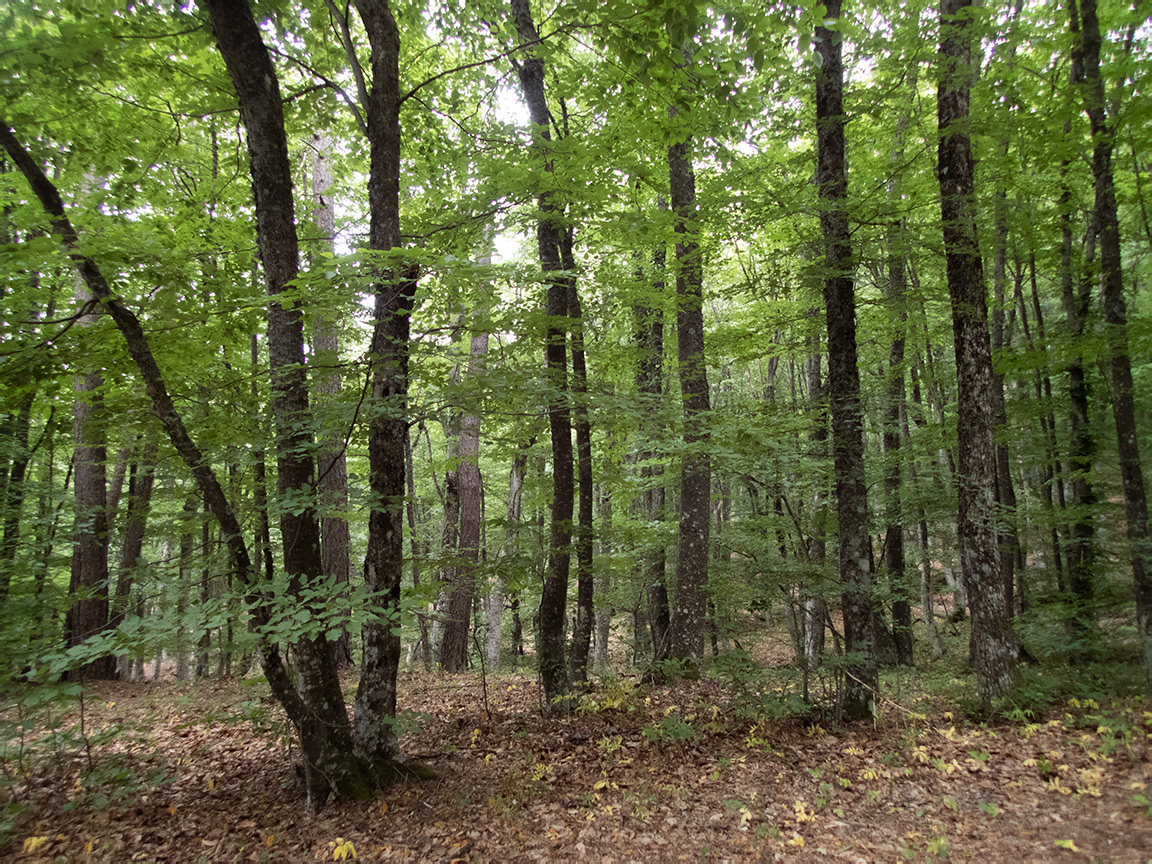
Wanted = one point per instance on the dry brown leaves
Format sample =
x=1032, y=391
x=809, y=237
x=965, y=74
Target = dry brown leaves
x=660, y=775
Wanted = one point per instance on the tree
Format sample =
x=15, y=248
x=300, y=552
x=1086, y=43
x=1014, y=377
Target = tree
x=530, y=70
x=862, y=677
x=993, y=643
x=689, y=602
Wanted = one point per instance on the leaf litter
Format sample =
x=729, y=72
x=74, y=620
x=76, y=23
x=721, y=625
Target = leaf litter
x=182, y=773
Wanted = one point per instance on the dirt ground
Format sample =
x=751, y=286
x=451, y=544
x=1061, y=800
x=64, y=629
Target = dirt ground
x=178, y=773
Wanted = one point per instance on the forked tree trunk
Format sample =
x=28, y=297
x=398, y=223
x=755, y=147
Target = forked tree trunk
x=993, y=643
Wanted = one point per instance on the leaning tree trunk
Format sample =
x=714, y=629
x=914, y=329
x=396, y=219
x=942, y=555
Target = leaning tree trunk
x=553, y=600
x=165, y=410
x=993, y=642
x=1116, y=320
x=844, y=380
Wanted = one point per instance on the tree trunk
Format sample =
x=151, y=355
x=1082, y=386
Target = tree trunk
x=894, y=560
x=140, y=483
x=325, y=734
x=164, y=408
x=14, y=489
x=87, y=617
x=335, y=539
x=844, y=380
x=687, y=623
x=1116, y=321
x=553, y=669
x=649, y=339
x=585, y=613
x=993, y=642
x=454, y=647
x=395, y=291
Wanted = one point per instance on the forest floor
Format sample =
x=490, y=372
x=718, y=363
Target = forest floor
x=185, y=773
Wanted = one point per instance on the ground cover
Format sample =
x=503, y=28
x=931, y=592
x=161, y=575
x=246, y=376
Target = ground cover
x=178, y=772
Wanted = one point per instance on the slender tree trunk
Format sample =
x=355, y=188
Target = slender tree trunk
x=335, y=538
x=993, y=642
x=894, y=560
x=411, y=504
x=395, y=292
x=649, y=339
x=14, y=489
x=553, y=669
x=689, y=611
x=325, y=734
x=844, y=380
x=585, y=613
x=1116, y=321
x=604, y=612
x=454, y=647
x=808, y=635
x=140, y=485
x=164, y=409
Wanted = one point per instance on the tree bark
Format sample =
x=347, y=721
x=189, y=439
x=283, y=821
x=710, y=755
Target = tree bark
x=993, y=642
x=844, y=380
x=553, y=600
x=648, y=318
x=689, y=604
x=454, y=647
x=325, y=734
x=1116, y=321
x=395, y=291
x=335, y=538
x=585, y=612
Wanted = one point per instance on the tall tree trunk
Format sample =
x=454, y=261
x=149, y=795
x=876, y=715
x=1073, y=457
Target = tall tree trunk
x=553, y=600
x=140, y=483
x=87, y=617
x=14, y=489
x=1116, y=321
x=993, y=642
x=454, y=647
x=325, y=734
x=411, y=504
x=649, y=338
x=585, y=613
x=844, y=379
x=395, y=292
x=335, y=539
x=689, y=610
x=894, y=560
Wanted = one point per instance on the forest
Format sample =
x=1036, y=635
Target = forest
x=463, y=407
